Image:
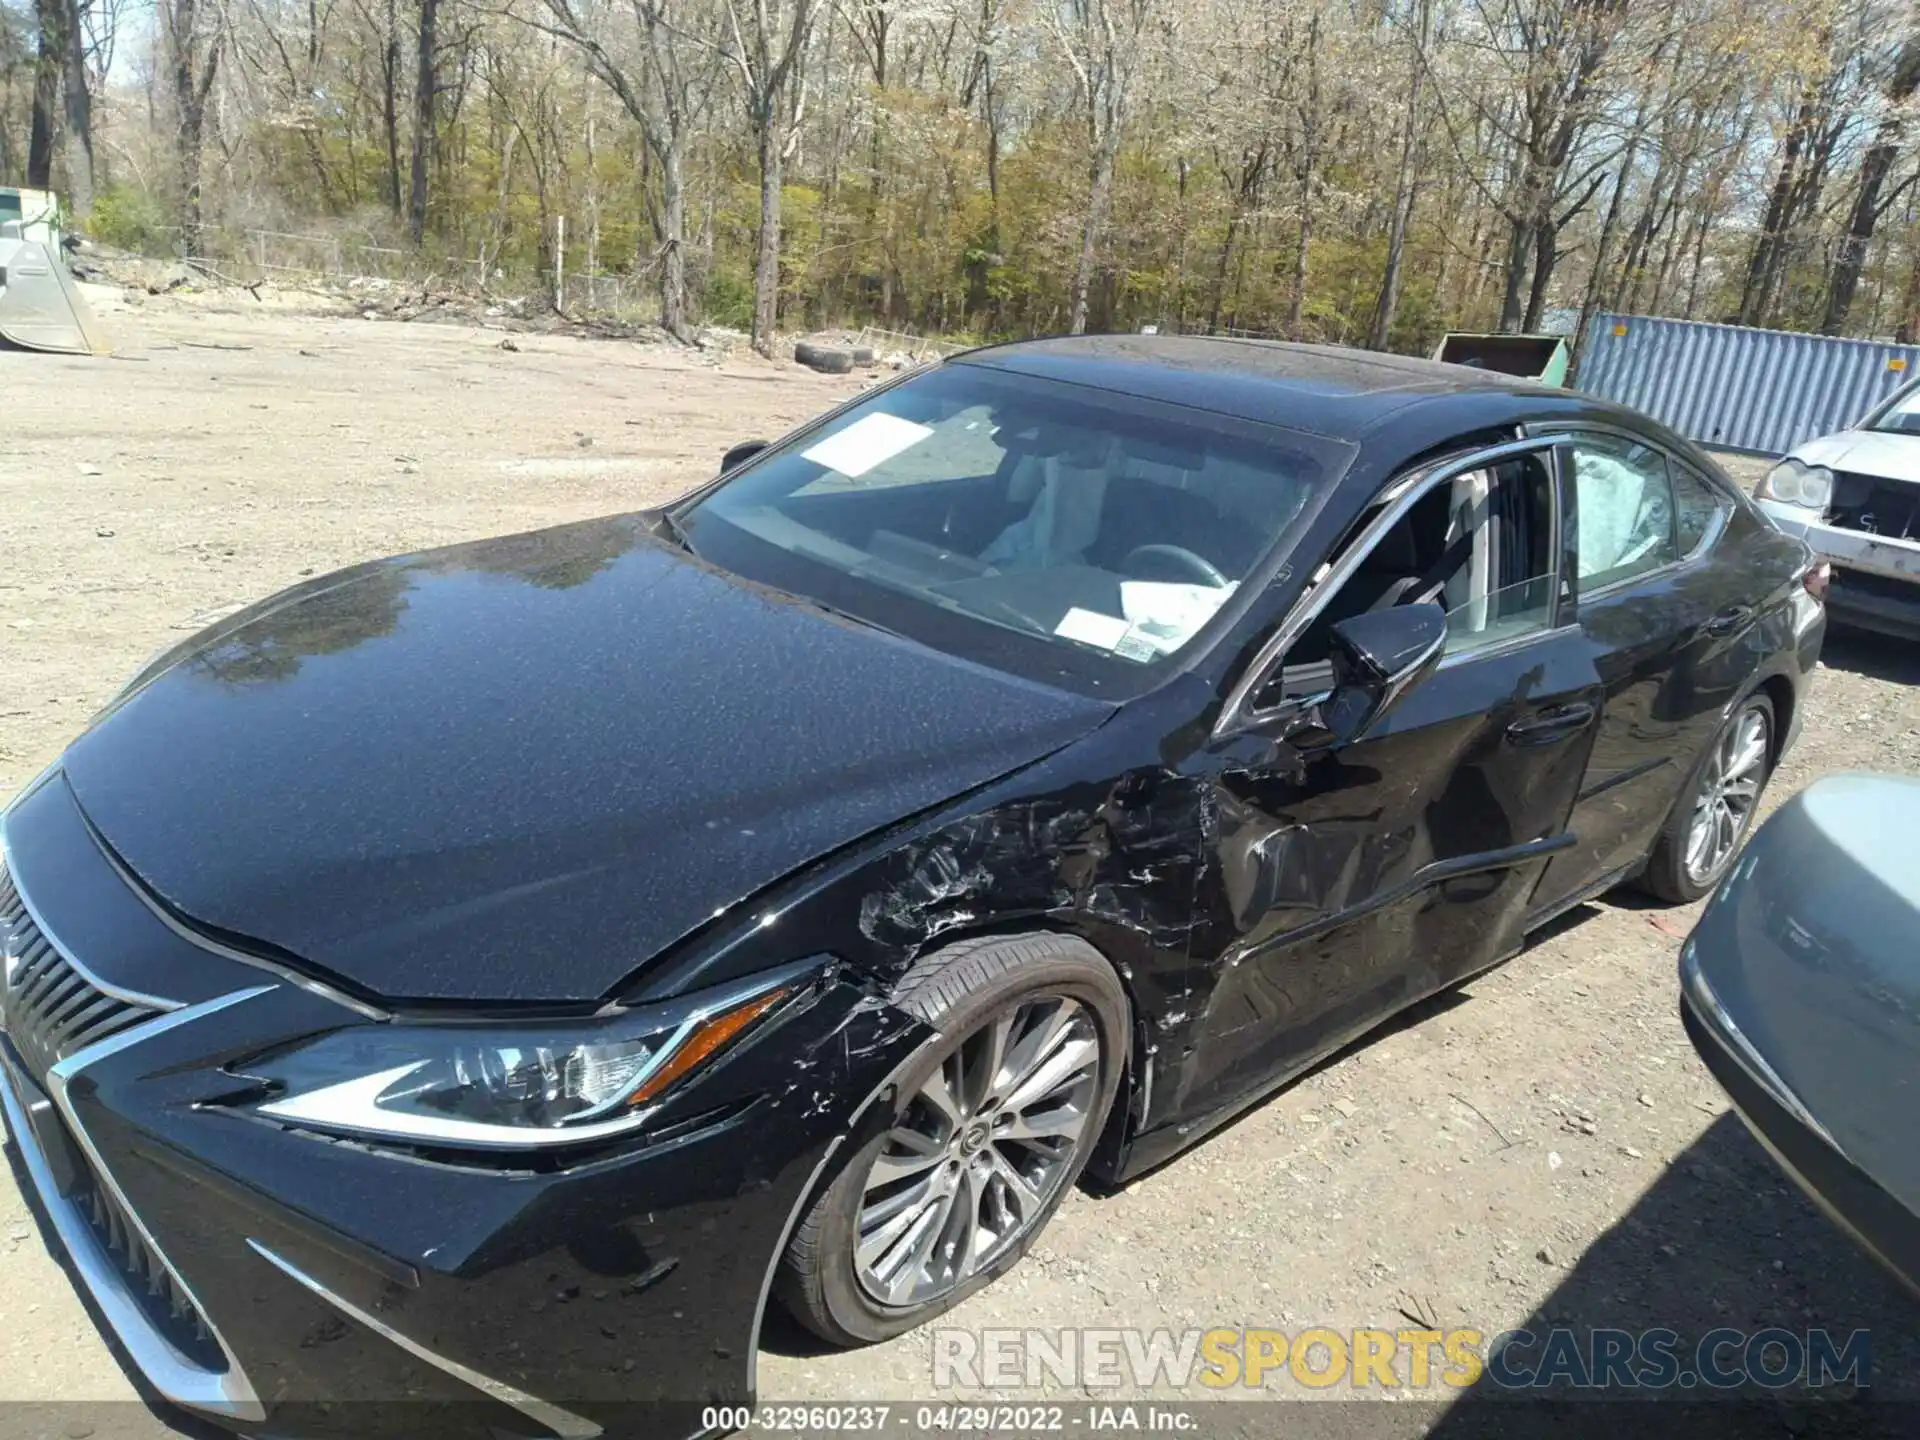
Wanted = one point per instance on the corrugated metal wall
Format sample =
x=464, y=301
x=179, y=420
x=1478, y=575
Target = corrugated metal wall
x=1735, y=388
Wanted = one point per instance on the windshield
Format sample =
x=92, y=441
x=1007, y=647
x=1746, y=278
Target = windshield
x=1049, y=528
x=1901, y=415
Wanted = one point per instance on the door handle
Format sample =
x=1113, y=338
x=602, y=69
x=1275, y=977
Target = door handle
x=1729, y=620
x=1551, y=725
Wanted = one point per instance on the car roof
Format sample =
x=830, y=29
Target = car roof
x=1346, y=394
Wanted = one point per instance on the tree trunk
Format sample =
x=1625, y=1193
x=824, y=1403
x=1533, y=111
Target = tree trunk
x=1907, y=328
x=673, y=257
x=1603, y=250
x=1874, y=168
x=1765, y=259
x=1852, y=255
x=766, y=269
x=1546, y=254
x=390, y=108
x=1404, y=188
x=423, y=121
x=51, y=16
x=1297, y=302
x=192, y=77
x=80, y=180
x=1519, y=247
x=1224, y=269
x=1099, y=201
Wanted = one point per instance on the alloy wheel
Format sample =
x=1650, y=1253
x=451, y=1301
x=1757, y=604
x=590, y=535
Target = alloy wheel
x=979, y=1152
x=1729, y=794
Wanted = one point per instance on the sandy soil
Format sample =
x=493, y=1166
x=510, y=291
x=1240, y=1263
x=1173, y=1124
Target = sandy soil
x=1539, y=1147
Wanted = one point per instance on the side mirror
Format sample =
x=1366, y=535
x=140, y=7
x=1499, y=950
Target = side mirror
x=1378, y=656
x=741, y=453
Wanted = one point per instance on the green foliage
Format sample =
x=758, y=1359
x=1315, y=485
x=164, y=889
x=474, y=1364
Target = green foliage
x=729, y=299
x=131, y=218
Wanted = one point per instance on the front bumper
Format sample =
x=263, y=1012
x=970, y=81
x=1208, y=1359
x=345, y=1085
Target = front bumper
x=352, y=1290
x=1876, y=583
x=1796, y=1139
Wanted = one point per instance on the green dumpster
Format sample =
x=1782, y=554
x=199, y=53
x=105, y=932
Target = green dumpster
x=1534, y=357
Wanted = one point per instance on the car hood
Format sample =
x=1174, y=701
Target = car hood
x=1866, y=452
x=1804, y=946
x=515, y=770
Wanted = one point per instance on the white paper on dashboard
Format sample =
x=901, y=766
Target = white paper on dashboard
x=869, y=441
x=1090, y=627
x=1168, y=614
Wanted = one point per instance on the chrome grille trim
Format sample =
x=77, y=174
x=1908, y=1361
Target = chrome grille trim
x=14, y=900
x=563, y=1423
x=98, y=1259
x=147, y=1270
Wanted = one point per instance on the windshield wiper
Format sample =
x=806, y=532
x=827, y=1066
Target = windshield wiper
x=847, y=615
x=990, y=608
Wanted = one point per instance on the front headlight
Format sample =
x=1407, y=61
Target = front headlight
x=494, y=1085
x=1798, y=483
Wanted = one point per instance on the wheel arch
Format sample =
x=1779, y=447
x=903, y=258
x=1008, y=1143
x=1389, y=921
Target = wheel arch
x=1116, y=1131
x=1784, y=696
x=1113, y=943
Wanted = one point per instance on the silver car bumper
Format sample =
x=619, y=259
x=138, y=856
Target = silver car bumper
x=1877, y=579
x=1885, y=555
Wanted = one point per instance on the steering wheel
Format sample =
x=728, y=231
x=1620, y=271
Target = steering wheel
x=1198, y=566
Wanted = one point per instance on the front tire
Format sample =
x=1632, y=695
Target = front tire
x=992, y=1123
x=1717, y=809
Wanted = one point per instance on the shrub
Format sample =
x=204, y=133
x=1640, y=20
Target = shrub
x=131, y=218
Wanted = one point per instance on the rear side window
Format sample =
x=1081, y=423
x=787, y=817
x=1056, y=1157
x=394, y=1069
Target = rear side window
x=1696, y=506
x=1624, y=511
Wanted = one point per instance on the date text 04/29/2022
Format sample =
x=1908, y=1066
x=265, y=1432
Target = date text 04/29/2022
x=943, y=1418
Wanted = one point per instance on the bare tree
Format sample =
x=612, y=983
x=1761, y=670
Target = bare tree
x=667, y=99
x=79, y=111
x=192, y=36
x=1869, y=203
x=425, y=91
x=1419, y=27
x=52, y=17
x=1104, y=41
x=765, y=45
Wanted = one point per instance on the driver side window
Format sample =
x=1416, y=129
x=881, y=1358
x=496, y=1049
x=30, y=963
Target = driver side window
x=1482, y=545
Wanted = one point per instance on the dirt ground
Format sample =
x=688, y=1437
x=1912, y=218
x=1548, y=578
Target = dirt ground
x=1540, y=1147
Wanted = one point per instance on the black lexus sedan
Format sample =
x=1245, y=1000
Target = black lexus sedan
x=487, y=977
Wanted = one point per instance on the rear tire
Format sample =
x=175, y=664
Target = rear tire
x=1727, y=782
x=1001, y=1155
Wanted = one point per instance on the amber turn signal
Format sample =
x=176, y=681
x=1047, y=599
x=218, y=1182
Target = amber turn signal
x=707, y=1039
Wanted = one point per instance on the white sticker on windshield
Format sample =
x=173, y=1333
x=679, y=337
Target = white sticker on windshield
x=1090, y=627
x=1168, y=615
x=869, y=441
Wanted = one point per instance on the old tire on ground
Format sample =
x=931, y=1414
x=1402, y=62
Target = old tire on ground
x=805, y=352
x=992, y=1122
x=1716, y=809
x=863, y=355
x=827, y=361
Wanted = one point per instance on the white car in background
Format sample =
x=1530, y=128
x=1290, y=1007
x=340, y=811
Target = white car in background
x=1855, y=498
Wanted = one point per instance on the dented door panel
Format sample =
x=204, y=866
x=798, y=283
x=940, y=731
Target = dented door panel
x=1346, y=885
